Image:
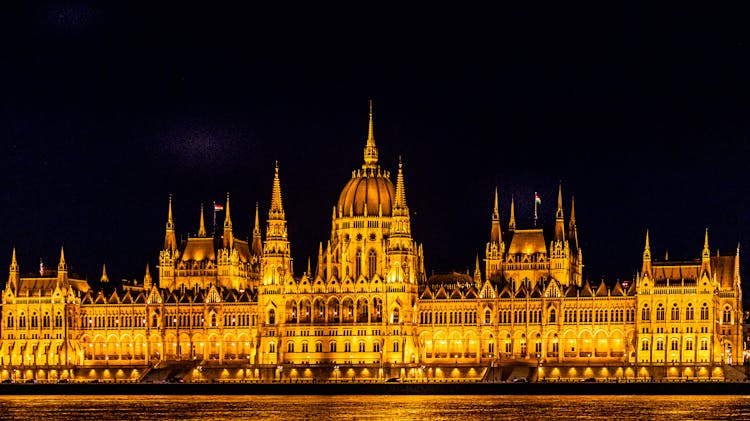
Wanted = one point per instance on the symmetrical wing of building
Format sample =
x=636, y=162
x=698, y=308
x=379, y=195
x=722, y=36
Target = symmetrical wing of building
x=367, y=308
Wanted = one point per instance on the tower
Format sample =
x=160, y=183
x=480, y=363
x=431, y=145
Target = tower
x=276, y=263
x=495, y=247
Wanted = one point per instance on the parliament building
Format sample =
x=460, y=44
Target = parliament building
x=221, y=308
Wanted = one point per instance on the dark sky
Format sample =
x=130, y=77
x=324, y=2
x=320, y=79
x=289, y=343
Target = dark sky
x=107, y=109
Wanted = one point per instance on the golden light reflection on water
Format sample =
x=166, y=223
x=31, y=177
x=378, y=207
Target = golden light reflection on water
x=373, y=407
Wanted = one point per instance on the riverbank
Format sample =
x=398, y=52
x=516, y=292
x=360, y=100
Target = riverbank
x=555, y=388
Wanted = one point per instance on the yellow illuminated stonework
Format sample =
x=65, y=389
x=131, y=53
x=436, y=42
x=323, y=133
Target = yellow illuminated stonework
x=232, y=310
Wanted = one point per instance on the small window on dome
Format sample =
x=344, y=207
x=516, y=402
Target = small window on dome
x=359, y=237
x=372, y=236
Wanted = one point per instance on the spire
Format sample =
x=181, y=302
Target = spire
x=309, y=268
x=202, y=225
x=647, y=249
x=371, y=151
x=572, y=229
x=170, y=240
x=104, y=277
x=319, y=270
x=512, y=222
x=559, y=218
x=228, y=236
x=706, y=251
x=477, y=273
x=14, y=262
x=257, y=242
x=147, y=280
x=276, y=205
x=400, y=189
x=495, y=233
x=13, y=275
x=62, y=267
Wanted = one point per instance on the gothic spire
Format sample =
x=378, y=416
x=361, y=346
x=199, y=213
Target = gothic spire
x=706, y=251
x=257, y=242
x=559, y=219
x=170, y=240
x=14, y=275
x=477, y=273
x=512, y=221
x=572, y=229
x=202, y=225
x=228, y=236
x=495, y=233
x=104, y=277
x=400, y=188
x=647, y=249
x=14, y=262
x=276, y=206
x=62, y=266
x=371, y=151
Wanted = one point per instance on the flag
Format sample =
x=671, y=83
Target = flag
x=537, y=200
x=218, y=207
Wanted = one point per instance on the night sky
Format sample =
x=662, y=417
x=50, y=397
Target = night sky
x=105, y=110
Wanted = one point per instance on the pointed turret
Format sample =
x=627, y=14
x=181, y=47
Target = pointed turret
x=147, y=280
x=572, y=229
x=512, y=221
x=495, y=234
x=276, y=254
x=559, y=218
x=228, y=237
x=202, y=225
x=170, y=240
x=14, y=273
x=319, y=270
x=257, y=246
x=646, y=269
x=477, y=274
x=309, y=268
x=706, y=255
x=62, y=266
x=400, y=188
x=277, y=207
x=104, y=278
x=371, y=151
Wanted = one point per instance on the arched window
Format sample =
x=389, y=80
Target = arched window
x=689, y=345
x=675, y=312
x=487, y=317
x=704, y=311
x=644, y=345
x=727, y=315
x=358, y=264
x=154, y=321
x=660, y=313
x=10, y=321
x=395, y=317
x=395, y=346
x=272, y=317
x=372, y=264
x=22, y=320
x=552, y=316
x=675, y=345
x=45, y=320
x=689, y=312
x=659, y=345
x=290, y=347
x=34, y=320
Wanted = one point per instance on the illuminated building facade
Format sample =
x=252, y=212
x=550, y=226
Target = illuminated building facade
x=232, y=309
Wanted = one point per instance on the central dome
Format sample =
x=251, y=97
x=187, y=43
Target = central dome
x=367, y=190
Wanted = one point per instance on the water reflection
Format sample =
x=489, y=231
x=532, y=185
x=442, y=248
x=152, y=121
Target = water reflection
x=373, y=407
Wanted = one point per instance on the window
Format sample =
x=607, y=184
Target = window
x=660, y=312
x=45, y=320
x=10, y=321
x=304, y=346
x=688, y=345
x=645, y=314
x=22, y=320
x=271, y=347
x=395, y=347
x=675, y=345
x=487, y=317
x=361, y=347
x=704, y=344
x=347, y=347
x=271, y=317
x=491, y=347
x=290, y=347
x=332, y=346
x=689, y=312
x=660, y=345
x=372, y=264
x=318, y=347
x=395, y=315
x=358, y=264
x=58, y=320
x=644, y=345
x=538, y=347
x=675, y=312
x=34, y=320
x=704, y=311
x=376, y=347
x=727, y=315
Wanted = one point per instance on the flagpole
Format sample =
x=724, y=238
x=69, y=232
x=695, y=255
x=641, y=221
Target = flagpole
x=213, y=234
x=535, y=203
